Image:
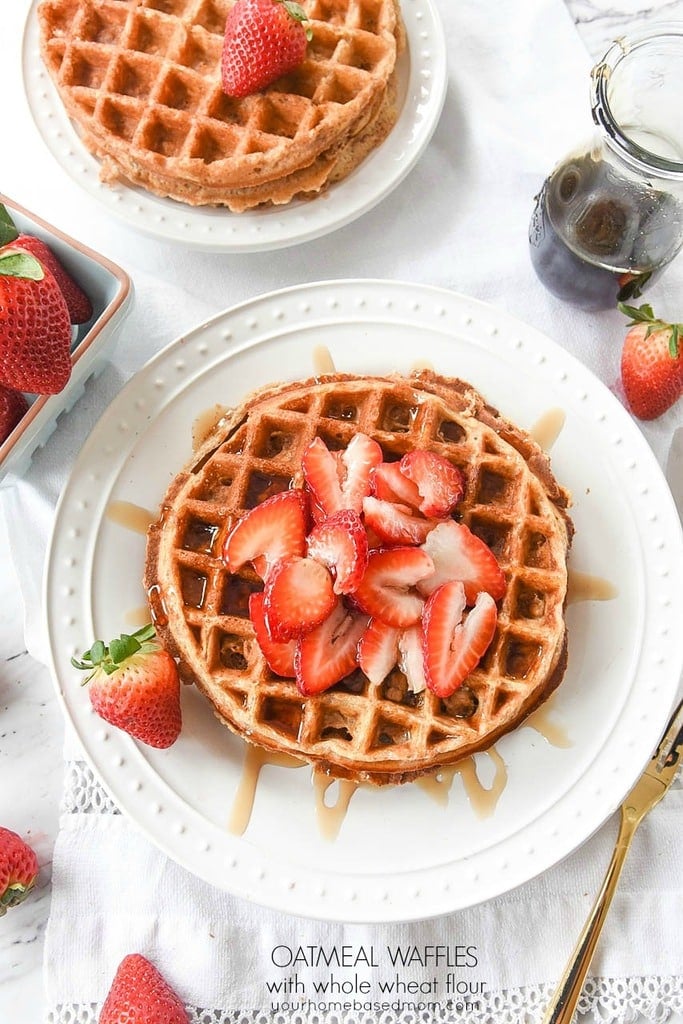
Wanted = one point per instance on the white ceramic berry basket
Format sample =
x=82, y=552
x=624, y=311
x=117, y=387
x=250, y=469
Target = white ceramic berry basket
x=110, y=291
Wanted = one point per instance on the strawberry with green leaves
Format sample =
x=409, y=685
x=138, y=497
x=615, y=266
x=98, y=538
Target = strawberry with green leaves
x=139, y=994
x=134, y=685
x=651, y=363
x=18, y=869
x=264, y=39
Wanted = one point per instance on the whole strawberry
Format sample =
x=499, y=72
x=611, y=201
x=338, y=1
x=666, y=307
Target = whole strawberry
x=264, y=39
x=35, y=330
x=139, y=995
x=78, y=303
x=13, y=405
x=134, y=685
x=18, y=869
x=651, y=363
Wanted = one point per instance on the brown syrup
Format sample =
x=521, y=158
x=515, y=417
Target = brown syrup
x=254, y=760
x=582, y=586
x=157, y=608
x=556, y=735
x=421, y=364
x=205, y=423
x=546, y=430
x=137, y=616
x=482, y=800
x=323, y=363
x=331, y=817
x=132, y=517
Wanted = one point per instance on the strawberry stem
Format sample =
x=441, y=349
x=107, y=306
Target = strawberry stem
x=110, y=657
x=645, y=315
x=8, y=230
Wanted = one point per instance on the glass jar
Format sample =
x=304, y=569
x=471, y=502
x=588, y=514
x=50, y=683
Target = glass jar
x=609, y=217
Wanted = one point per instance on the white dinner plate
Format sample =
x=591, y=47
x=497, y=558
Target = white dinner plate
x=421, y=90
x=399, y=855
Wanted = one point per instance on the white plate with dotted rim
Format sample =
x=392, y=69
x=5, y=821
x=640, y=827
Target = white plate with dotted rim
x=625, y=654
x=422, y=83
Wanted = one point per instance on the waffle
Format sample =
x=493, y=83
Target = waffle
x=358, y=730
x=141, y=81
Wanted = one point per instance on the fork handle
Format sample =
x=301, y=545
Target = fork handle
x=563, y=1004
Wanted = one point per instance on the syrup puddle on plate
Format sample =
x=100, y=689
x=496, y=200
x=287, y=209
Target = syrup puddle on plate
x=254, y=760
x=547, y=428
x=583, y=586
x=206, y=422
x=421, y=364
x=482, y=799
x=131, y=516
x=330, y=815
x=323, y=363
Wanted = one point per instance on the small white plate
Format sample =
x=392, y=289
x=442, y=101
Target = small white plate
x=422, y=82
x=399, y=855
x=110, y=290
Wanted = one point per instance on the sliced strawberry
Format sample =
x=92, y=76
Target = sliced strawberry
x=340, y=480
x=274, y=529
x=411, y=661
x=460, y=555
x=441, y=484
x=378, y=650
x=390, y=484
x=396, y=524
x=279, y=656
x=341, y=543
x=297, y=597
x=385, y=591
x=329, y=652
x=453, y=647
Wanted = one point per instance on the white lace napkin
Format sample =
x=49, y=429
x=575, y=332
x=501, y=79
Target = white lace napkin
x=517, y=100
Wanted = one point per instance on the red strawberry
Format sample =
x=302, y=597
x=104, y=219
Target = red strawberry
x=440, y=483
x=340, y=480
x=279, y=656
x=458, y=554
x=18, y=869
x=396, y=524
x=452, y=648
x=390, y=484
x=341, y=543
x=275, y=529
x=386, y=593
x=329, y=652
x=378, y=650
x=134, y=685
x=13, y=405
x=264, y=39
x=35, y=330
x=78, y=303
x=651, y=363
x=298, y=596
x=139, y=995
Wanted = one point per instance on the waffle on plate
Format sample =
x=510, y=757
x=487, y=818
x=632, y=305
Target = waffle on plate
x=141, y=80
x=392, y=730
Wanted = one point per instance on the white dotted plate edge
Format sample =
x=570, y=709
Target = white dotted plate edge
x=262, y=875
x=423, y=81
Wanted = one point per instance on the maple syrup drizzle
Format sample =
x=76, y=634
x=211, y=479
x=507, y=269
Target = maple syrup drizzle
x=421, y=364
x=254, y=760
x=330, y=817
x=546, y=430
x=555, y=734
x=206, y=422
x=482, y=799
x=582, y=586
x=323, y=363
x=131, y=516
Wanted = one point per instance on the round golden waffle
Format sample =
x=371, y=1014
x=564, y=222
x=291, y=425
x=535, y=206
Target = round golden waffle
x=357, y=730
x=141, y=80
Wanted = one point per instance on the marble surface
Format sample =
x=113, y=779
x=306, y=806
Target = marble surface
x=31, y=729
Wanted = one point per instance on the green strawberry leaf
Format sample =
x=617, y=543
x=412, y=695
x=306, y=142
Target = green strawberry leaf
x=14, y=263
x=297, y=12
x=8, y=231
x=674, y=339
x=122, y=648
x=637, y=314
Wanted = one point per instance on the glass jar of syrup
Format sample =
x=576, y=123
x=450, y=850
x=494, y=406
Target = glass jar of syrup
x=609, y=217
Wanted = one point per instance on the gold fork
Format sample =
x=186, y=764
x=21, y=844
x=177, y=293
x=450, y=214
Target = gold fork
x=646, y=794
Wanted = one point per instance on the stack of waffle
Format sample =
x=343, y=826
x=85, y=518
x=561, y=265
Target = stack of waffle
x=141, y=80
x=379, y=733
